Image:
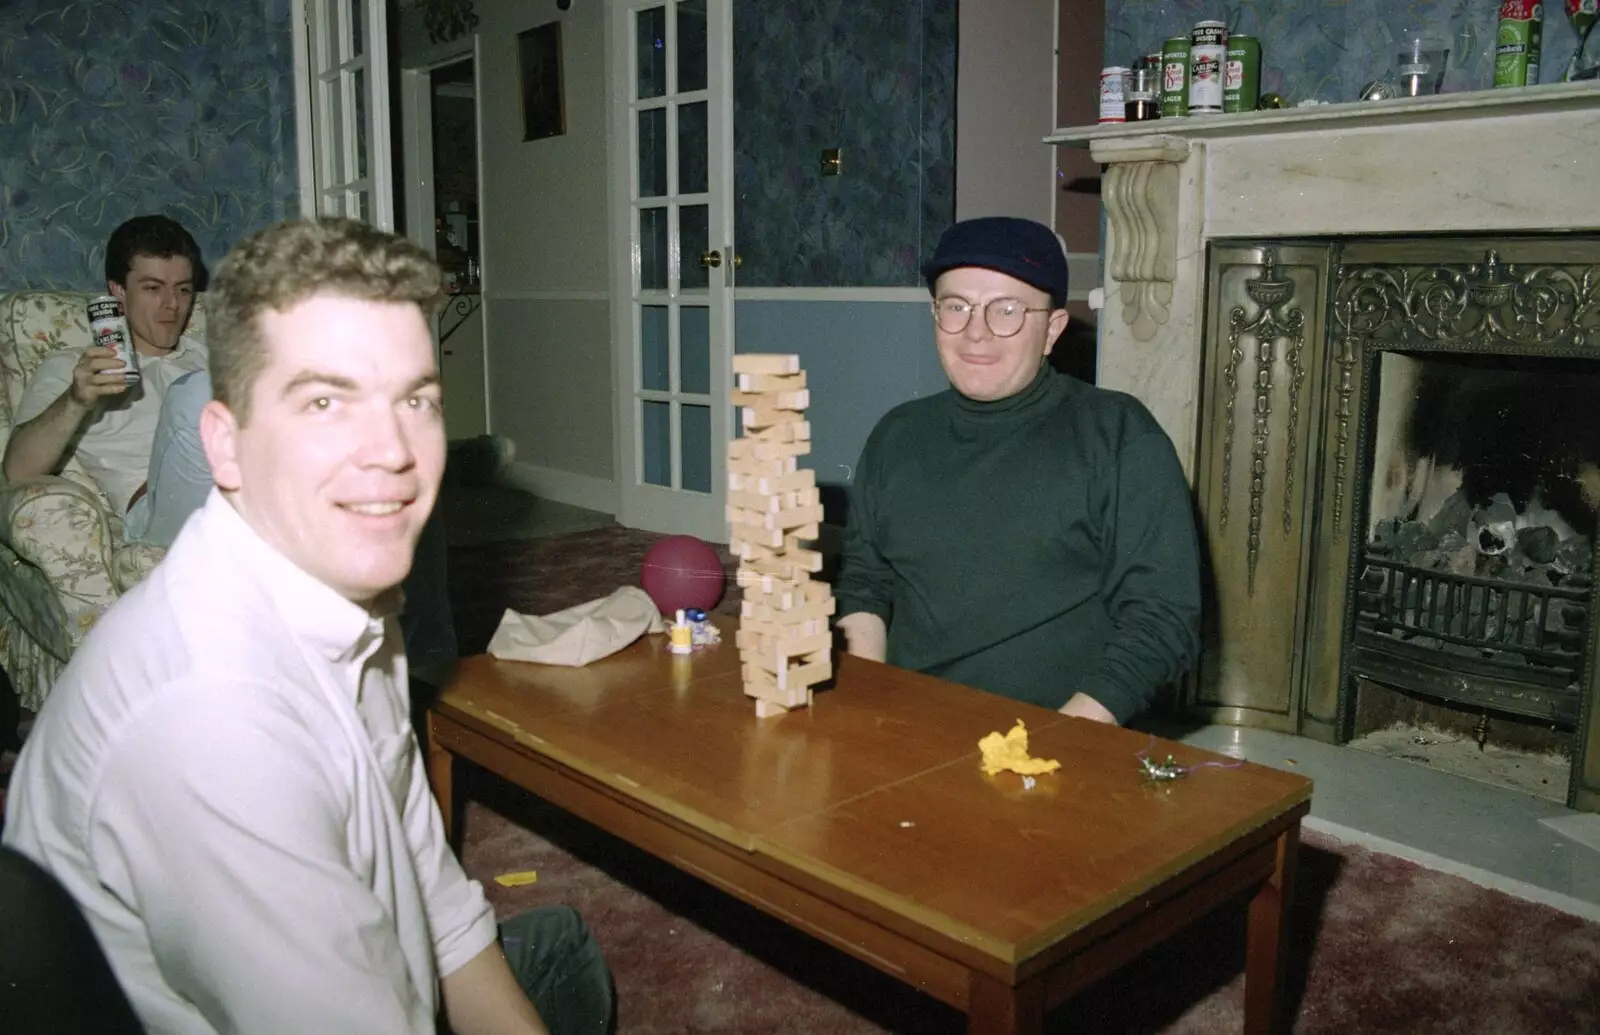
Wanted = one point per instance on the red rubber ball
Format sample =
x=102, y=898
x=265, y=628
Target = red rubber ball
x=681, y=571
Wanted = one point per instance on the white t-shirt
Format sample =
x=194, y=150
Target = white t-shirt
x=114, y=447
x=225, y=779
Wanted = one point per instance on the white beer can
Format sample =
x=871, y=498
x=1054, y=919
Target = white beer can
x=1113, y=94
x=1208, y=53
x=108, y=329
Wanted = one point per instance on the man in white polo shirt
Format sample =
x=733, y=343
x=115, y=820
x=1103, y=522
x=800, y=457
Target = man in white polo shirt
x=78, y=403
x=224, y=777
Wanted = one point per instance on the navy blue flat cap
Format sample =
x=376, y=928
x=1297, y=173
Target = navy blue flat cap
x=1020, y=248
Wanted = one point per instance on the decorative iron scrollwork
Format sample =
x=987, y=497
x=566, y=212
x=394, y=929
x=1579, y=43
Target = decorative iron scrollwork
x=1271, y=293
x=1346, y=358
x=455, y=313
x=1483, y=306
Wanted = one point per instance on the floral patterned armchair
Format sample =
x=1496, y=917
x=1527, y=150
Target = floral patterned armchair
x=63, y=560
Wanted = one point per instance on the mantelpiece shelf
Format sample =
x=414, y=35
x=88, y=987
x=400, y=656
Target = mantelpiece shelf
x=1550, y=98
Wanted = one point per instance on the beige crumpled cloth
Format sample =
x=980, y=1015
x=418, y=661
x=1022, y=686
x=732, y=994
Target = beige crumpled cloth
x=579, y=634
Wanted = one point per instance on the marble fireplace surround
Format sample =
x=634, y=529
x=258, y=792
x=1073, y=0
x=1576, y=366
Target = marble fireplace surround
x=1494, y=162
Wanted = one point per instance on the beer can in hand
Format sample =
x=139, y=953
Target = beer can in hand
x=108, y=329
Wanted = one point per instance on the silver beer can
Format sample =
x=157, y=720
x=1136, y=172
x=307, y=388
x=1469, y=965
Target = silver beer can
x=108, y=329
x=1208, y=52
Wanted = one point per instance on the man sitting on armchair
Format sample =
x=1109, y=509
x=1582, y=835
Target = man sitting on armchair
x=130, y=439
x=142, y=446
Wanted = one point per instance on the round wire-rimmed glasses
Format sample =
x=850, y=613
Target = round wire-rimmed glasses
x=1004, y=316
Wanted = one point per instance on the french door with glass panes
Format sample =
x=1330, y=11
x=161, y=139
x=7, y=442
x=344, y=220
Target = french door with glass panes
x=673, y=262
x=345, y=97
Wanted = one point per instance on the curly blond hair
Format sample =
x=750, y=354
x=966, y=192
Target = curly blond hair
x=283, y=265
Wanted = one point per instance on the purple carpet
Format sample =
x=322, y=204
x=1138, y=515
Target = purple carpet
x=1380, y=944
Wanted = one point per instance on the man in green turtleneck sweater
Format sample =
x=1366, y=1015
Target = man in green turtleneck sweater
x=1023, y=533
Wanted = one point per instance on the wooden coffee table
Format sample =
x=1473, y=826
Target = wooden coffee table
x=867, y=822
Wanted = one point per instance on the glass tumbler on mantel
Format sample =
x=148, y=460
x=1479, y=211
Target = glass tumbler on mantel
x=1420, y=63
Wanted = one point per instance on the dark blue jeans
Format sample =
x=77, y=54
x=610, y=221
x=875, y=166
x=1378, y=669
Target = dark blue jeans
x=426, y=621
x=560, y=966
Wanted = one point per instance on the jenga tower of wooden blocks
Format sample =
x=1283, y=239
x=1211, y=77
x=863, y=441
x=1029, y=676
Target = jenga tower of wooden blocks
x=785, y=647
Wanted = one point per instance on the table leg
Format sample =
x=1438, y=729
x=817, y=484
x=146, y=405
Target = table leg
x=1266, y=956
x=995, y=1008
x=441, y=775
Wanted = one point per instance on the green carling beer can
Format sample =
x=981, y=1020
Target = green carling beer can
x=1241, y=76
x=1175, y=77
x=1517, y=44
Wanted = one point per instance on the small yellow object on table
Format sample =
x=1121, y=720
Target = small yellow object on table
x=1010, y=752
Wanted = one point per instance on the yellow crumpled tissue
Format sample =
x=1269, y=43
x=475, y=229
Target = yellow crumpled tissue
x=1011, y=752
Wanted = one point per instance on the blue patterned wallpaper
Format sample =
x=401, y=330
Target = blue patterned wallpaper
x=111, y=108
x=1327, y=49
x=873, y=77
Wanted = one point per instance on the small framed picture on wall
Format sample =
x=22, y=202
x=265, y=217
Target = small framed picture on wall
x=539, y=58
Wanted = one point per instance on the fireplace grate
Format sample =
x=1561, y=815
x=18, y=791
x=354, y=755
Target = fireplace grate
x=1515, y=624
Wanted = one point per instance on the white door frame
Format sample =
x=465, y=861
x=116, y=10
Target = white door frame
x=416, y=140
x=304, y=138
x=319, y=74
x=416, y=137
x=640, y=505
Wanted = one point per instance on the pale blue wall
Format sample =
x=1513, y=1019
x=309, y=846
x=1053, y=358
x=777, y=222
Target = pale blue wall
x=860, y=359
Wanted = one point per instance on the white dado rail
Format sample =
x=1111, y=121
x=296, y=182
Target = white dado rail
x=1495, y=160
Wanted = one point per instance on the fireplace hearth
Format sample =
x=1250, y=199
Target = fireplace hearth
x=1397, y=476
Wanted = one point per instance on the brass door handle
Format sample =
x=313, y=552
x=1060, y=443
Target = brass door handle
x=711, y=259
x=738, y=261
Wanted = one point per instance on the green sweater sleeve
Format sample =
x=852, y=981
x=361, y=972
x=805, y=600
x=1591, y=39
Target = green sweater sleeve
x=866, y=582
x=1151, y=581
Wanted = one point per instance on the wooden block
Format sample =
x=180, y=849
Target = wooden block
x=753, y=533
x=765, y=363
x=755, y=611
x=795, y=680
x=766, y=449
x=752, y=418
x=747, y=579
x=765, y=502
x=795, y=517
x=805, y=675
x=780, y=520
x=789, y=431
x=761, y=568
x=761, y=471
x=796, y=400
x=769, y=382
x=796, y=565
x=766, y=709
x=791, y=638
x=782, y=596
